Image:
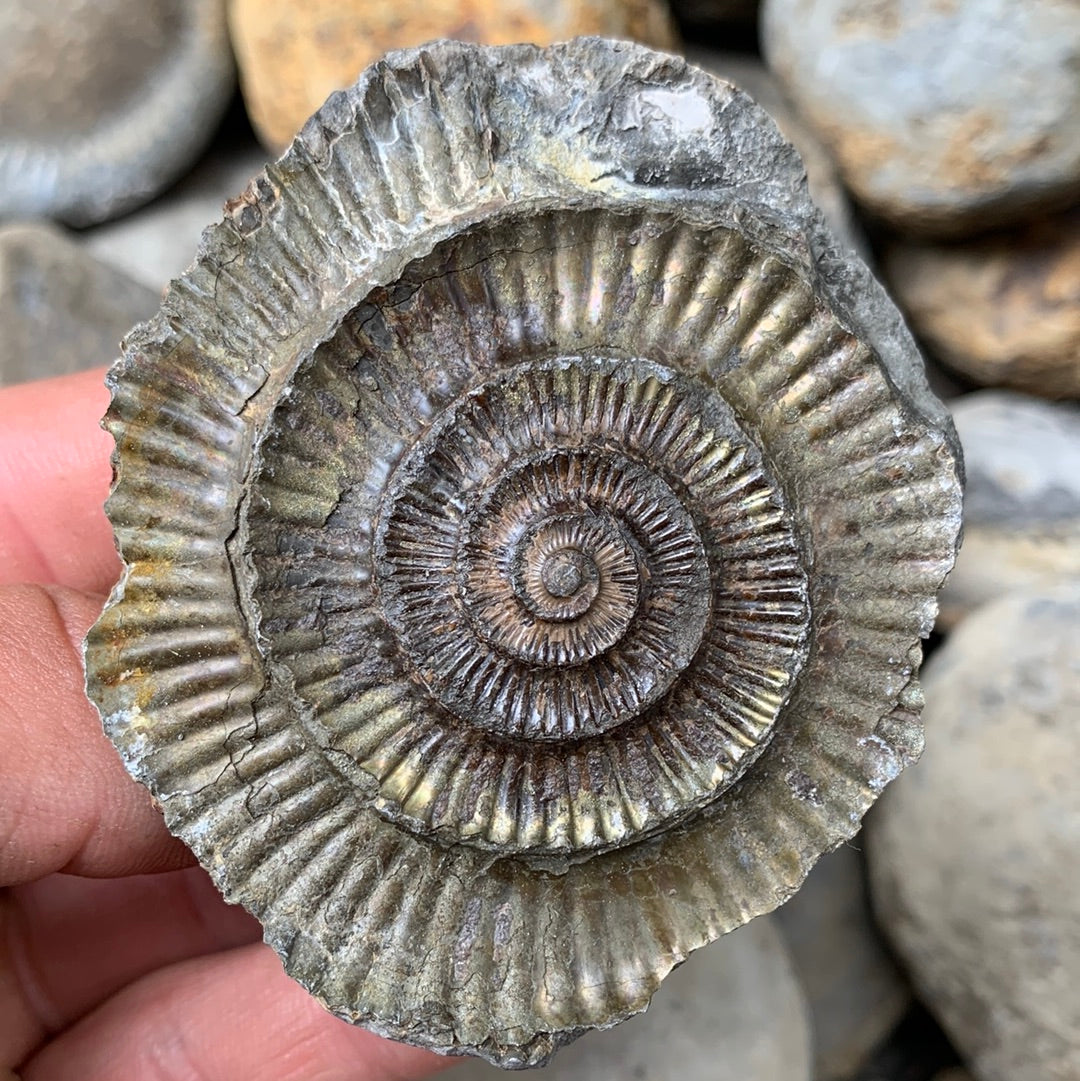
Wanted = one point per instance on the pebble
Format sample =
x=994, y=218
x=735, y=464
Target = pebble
x=294, y=53
x=826, y=188
x=734, y=1009
x=62, y=310
x=855, y=993
x=947, y=117
x=974, y=852
x=1003, y=310
x=1022, y=503
x=103, y=103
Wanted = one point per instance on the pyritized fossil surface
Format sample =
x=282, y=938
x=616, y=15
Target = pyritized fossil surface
x=530, y=520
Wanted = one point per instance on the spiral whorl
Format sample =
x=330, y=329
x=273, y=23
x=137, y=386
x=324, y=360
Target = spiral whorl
x=559, y=556
x=529, y=520
x=554, y=586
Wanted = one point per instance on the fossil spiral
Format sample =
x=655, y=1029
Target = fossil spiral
x=529, y=517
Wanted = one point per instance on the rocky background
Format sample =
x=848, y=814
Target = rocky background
x=942, y=138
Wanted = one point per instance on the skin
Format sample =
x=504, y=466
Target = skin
x=117, y=956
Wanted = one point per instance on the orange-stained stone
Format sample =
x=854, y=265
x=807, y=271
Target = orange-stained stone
x=292, y=56
x=1003, y=310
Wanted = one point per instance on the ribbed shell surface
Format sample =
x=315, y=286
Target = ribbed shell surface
x=530, y=518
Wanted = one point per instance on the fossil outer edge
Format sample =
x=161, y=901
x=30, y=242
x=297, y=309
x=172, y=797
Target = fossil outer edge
x=447, y=174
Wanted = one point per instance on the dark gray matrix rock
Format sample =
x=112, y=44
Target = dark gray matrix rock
x=61, y=309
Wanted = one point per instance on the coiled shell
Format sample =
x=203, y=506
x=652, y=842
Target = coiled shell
x=530, y=520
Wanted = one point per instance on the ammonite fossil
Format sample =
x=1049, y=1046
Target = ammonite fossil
x=530, y=517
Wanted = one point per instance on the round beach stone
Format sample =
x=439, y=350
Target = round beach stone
x=105, y=103
x=735, y=1003
x=62, y=310
x=946, y=116
x=293, y=55
x=1003, y=310
x=855, y=994
x=1022, y=506
x=974, y=853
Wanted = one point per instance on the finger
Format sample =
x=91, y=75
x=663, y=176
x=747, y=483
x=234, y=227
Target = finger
x=66, y=803
x=72, y=942
x=220, y=1018
x=54, y=477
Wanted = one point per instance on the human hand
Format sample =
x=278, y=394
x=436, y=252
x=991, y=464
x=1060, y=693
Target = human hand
x=118, y=959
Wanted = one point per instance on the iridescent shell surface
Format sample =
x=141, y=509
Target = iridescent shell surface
x=530, y=520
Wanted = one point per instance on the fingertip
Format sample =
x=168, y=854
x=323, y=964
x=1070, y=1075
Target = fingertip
x=54, y=478
x=224, y=1016
x=68, y=804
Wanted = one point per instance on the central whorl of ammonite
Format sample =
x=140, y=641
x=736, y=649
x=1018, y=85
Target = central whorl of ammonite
x=546, y=583
x=565, y=612
x=526, y=598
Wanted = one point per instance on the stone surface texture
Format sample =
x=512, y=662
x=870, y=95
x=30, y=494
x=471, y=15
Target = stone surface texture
x=294, y=53
x=104, y=103
x=947, y=117
x=1022, y=505
x=826, y=188
x=974, y=854
x=61, y=310
x=855, y=994
x=487, y=538
x=733, y=1012
x=1003, y=310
